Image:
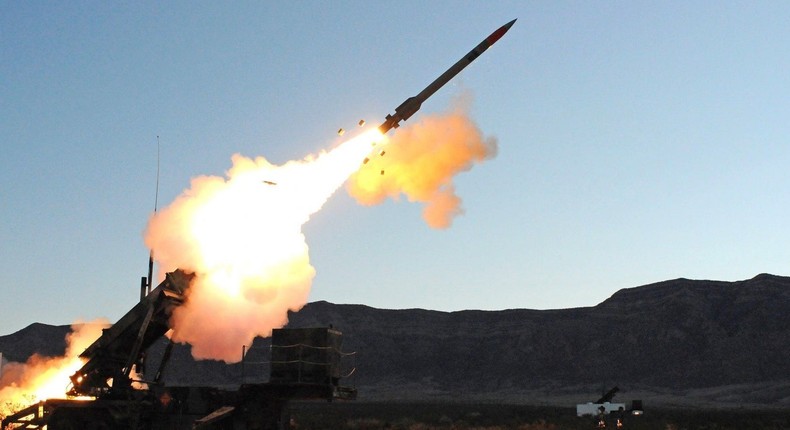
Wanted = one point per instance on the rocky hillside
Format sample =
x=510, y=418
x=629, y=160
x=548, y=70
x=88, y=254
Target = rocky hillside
x=673, y=337
x=706, y=343
x=42, y=339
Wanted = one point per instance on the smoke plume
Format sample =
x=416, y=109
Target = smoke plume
x=40, y=377
x=420, y=162
x=242, y=237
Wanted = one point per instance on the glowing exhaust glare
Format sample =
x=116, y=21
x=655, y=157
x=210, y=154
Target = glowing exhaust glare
x=244, y=242
x=42, y=378
x=241, y=235
x=243, y=239
x=421, y=163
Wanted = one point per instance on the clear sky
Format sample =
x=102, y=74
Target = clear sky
x=638, y=142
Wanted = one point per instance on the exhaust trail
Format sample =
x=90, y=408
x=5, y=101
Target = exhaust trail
x=241, y=235
x=421, y=161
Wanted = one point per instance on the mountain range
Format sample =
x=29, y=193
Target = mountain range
x=682, y=343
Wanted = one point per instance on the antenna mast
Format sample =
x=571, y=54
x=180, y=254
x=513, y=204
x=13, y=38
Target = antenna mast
x=146, y=282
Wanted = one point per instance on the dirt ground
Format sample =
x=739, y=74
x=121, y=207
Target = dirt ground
x=487, y=416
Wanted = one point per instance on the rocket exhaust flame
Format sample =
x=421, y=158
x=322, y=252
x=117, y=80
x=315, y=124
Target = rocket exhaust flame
x=41, y=378
x=242, y=236
x=243, y=240
x=421, y=162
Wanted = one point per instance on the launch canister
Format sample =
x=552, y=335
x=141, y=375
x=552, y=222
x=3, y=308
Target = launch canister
x=413, y=104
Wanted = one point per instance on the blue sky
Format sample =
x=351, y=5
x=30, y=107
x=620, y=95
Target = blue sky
x=638, y=142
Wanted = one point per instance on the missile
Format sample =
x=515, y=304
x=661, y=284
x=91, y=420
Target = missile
x=413, y=104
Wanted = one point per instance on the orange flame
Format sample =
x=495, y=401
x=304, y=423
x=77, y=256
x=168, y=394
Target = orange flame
x=41, y=378
x=242, y=234
x=242, y=237
x=421, y=161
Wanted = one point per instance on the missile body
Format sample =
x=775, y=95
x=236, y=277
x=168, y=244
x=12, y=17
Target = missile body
x=413, y=104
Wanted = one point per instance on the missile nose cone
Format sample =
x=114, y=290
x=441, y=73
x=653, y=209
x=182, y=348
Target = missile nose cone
x=496, y=35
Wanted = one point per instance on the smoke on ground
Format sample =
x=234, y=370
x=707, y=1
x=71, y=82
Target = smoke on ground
x=41, y=377
x=421, y=161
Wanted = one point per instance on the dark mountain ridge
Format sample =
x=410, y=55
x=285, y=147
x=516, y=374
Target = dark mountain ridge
x=709, y=343
x=37, y=338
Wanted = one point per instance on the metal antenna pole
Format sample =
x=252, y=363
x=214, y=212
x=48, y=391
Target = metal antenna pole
x=156, y=206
